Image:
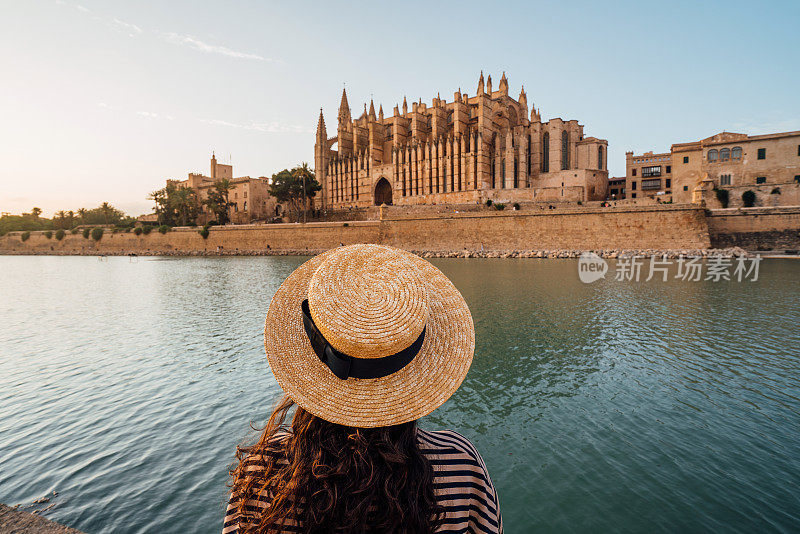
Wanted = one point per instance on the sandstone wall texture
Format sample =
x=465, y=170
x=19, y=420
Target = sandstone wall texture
x=651, y=227
x=755, y=228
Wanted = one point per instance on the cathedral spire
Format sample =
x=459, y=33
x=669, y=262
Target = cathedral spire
x=489, y=85
x=372, y=110
x=344, y=108
x=380, y=112
x=523, y=98
x=504, y=84
x=405, y=106
x=321, y=133
x=480, y=84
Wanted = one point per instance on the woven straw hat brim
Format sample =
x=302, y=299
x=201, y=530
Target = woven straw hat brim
x=412, y=392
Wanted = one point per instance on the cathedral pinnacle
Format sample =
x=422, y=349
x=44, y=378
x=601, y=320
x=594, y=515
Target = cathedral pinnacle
x=480, y=84
x=344, y=108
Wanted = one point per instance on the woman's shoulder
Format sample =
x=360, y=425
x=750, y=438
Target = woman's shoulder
x=447, y=441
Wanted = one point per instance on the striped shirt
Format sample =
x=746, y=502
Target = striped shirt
x=461, y=484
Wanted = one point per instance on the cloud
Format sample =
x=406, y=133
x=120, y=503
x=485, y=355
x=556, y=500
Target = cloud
x=188, y=41
x=197, y=44
x=103, y=105
x=153, y=115
x=132, y=29
x=767, y=127
x=268, y=127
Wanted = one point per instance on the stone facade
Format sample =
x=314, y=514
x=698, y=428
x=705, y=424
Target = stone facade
x=486, y=146
x=648, y=175
x=616, y=188
x=250, y=196
x=768, y=165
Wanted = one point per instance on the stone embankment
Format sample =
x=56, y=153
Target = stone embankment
x=16, y=521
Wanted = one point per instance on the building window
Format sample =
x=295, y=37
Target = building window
x=651, y=171
x=633, y=186
x=669, y=169
x=761, y=179
x=797, y=178
x=633, y=172
x=564, y=150
x=668, y=183
x=633, y=195
x=648, y=185
x=712, y=155
x=245, y=205
x=546, y=152
x=686, y=159
x=762, y=153
x=725, y=154
x=600, y=157
x=736, y=153
x=685, y=187
x=725, y=179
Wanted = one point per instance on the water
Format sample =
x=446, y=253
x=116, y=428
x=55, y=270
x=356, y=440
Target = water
x=610, y=407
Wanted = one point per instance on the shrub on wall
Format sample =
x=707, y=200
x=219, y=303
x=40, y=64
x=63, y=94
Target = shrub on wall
x=73, y=231
x=137, y=230
x=723, y=196
x=97, y=233
x=86, y=232
x=146, y=229
x=204, y=232
x=488, y=201
x=499, y=206
x=776, y=191
x=25, y=236
x=60, y=234
x=48, y=234
x=163, y=228
x=749, y=198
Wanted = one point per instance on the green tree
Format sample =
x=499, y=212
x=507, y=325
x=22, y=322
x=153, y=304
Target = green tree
x=217, y=201
x=36, y=212
x=749, y=198
x=288, y=187
x=176, y=206
x=106, y=210
x=82, y=215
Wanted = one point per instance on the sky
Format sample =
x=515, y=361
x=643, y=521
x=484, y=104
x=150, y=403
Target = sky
x=102, y=101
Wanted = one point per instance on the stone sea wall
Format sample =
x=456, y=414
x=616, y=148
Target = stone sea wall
x=775, y=228
x=596, y=228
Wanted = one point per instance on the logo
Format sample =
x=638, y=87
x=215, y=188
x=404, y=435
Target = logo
x=591, y=267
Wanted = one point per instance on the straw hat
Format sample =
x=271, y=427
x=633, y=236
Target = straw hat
x=368, y=336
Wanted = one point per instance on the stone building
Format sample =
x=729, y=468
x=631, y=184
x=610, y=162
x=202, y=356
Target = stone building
x=768, y=165
x=648, y=175
x=250, y=196
x=616, y=188
x=486, y=146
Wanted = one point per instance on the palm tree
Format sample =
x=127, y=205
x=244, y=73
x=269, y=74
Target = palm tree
x=302, y=172
x=106, y=208
x=82, y=214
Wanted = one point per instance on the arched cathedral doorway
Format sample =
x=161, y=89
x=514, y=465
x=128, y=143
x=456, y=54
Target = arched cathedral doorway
x=383, y=192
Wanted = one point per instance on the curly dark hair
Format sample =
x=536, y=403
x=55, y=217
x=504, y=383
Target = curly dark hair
x=334, y=478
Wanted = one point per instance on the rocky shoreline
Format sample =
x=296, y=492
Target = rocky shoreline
x=465, y=253
x=20, y=522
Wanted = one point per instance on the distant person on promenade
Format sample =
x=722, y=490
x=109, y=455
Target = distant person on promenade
x=364, y=340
